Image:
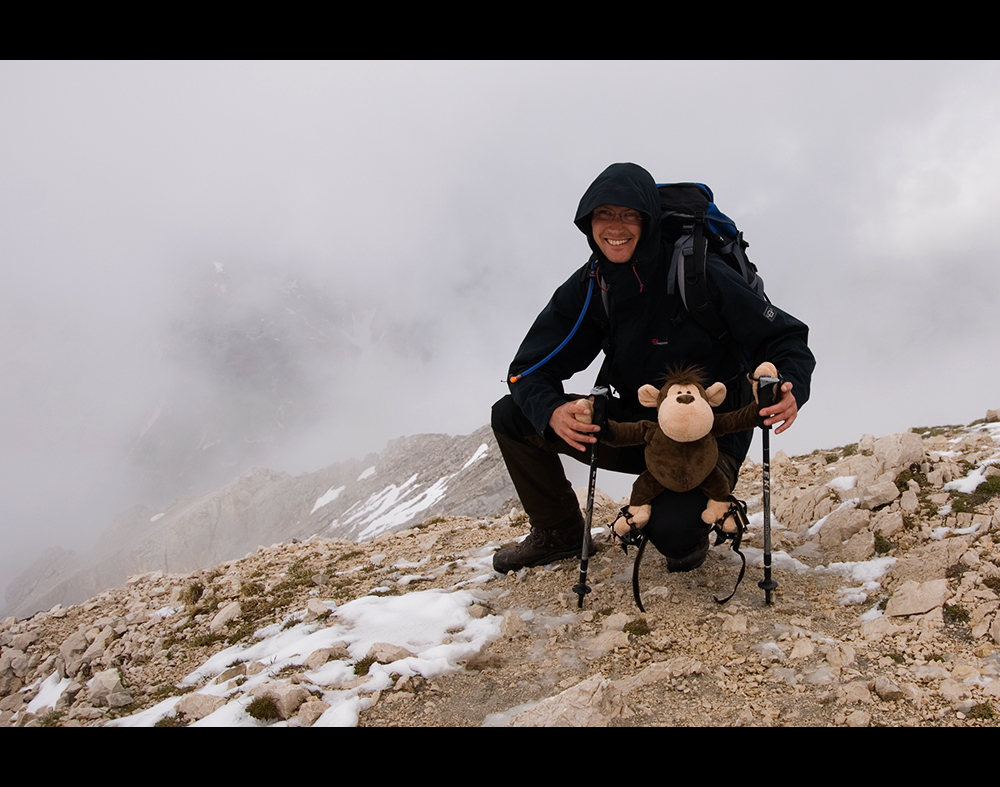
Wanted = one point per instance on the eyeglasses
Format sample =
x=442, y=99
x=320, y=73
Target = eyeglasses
x=632, y=217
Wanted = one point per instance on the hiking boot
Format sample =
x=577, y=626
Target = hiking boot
x=541, y=547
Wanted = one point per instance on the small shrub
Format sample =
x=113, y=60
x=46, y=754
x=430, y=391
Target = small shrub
x=50, y=719
x=263, y=709
x=192, y=593
x=171, y=721
x=637, y=627
x=935, y=431
x=981, y=711
x=361, y=667
x=962, y=503
x=882, y=544
x=297, y=575
x=251, y=589
x=204, y=640
x=241, y=633
x=912, y=473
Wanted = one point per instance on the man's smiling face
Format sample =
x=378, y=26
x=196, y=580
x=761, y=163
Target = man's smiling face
x=616, y=231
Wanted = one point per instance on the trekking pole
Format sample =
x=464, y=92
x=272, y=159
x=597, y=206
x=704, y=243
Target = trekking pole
x=599, y=393
x=767, y=389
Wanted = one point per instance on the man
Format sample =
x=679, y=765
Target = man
x=641, y=325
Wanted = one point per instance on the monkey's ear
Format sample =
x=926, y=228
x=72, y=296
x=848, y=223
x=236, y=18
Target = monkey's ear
x=648, y=396
x=715, y=394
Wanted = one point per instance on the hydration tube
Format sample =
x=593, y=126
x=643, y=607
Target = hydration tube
x=590, y=291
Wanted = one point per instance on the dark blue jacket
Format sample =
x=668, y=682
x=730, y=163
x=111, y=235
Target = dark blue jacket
x=645, y=330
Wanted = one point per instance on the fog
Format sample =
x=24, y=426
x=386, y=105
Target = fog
x=419, y=215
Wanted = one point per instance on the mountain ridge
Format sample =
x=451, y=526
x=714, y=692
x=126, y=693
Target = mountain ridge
x=413, y=478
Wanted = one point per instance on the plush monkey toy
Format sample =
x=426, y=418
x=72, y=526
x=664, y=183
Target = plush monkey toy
x=681, y=450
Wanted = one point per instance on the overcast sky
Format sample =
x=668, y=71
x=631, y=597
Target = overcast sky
x=442, y=195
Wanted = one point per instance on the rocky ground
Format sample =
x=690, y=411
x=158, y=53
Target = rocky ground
x=886, y=613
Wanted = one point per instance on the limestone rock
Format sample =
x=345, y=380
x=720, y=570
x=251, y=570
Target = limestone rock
x=854, y=693
x=887, y=690
x=909, y=501
x=310, y=711
x=859, y=547
x=929, y=561
x=677, y=667
x=318, y=658
x=799, y=508
x=228, y=613
x=887, y=523
x=512, y=625
x=592, y=703
x=898, y=451
x=287, y=698
x=916, y=598
x=315, y=609
x=878, y=494
x=105, y=688
x=197, y=706
x=72, y=650
x=386, y=653
x=606, y=642
x=841, y=525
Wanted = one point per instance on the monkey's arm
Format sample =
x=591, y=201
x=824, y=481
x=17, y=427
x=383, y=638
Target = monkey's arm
x=736, y=421
x=627, y=433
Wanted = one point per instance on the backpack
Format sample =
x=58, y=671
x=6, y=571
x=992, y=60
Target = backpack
x=695, y=226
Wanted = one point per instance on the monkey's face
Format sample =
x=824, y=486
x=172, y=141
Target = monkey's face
x=684, y=412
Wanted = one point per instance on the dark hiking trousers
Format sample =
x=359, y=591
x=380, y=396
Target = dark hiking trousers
x=675, y=527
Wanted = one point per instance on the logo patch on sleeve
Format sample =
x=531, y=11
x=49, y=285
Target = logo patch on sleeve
x=770, y=314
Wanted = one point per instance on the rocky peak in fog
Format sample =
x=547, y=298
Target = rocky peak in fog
x=415, y=478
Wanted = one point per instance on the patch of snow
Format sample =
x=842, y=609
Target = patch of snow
x=328, y=497
x=479, y=454
x=50, y=690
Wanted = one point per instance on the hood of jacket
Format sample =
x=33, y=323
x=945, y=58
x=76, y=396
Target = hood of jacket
x=628, y=186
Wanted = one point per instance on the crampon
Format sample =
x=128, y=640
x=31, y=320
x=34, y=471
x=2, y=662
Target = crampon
x=738, y=511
